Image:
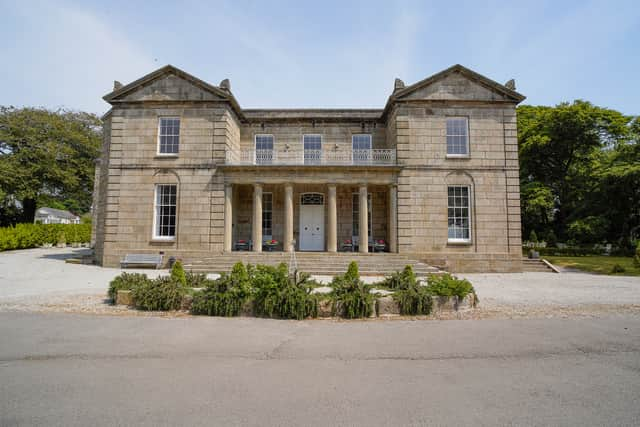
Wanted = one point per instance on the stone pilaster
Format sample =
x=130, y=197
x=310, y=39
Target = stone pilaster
x=393, y=218
x=288, y=245
x=332, y=234
x=256, y=234
x=363, y=239
x=228, y=217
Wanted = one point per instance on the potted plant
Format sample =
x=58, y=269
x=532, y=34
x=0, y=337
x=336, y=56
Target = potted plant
x=270, y=244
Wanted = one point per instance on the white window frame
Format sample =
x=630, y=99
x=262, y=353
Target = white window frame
x=255, y=148
x=304, y=150
x=456, y=240
x=366, y=160
x=467, y=141
x=155, y=235
x=266, y=236
x=159, y=145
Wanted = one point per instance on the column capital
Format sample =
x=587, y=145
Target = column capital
x=257, y=184
x=363, y=185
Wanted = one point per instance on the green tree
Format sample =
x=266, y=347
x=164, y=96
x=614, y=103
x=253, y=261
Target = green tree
x=561, y=150
x=46, y=157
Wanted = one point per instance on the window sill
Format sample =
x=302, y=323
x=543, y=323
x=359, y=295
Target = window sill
x=162, y=241
x=166, y=156
x=458, y=242
x=458, y=156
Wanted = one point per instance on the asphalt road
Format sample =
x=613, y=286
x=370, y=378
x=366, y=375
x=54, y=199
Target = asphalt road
x=75, y=370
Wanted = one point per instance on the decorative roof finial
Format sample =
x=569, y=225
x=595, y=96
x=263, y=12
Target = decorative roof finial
x=397, y=85
x=116, y=85
x=226, y=85
x=511, y=84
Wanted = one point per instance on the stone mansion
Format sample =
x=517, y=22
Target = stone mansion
x=187, y=172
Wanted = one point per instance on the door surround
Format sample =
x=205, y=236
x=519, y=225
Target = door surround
x=311, y=222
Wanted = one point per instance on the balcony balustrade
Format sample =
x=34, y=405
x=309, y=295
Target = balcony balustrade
x=365, y=157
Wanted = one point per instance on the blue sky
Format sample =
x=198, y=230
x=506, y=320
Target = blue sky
x=319, y=54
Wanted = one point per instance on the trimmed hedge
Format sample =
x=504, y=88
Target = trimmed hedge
x=568, y=251
x=25, y=236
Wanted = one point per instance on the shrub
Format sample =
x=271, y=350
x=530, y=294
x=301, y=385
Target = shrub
x=533, y=237
x=125, y=281
x=552, y=240
x=448, y=285
x=590, y=229
x=177, y=273
x=617, y=268
x=163, y=293
x=400, y=279
x=568, y=251
x=196, y=280
x=283, y=295
x=351, y=297
x=25, y=236
x=636, y=258
x=413, y=298
x=226, y=295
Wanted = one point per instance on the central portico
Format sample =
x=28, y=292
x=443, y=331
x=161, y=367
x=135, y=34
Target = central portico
x=310, y=210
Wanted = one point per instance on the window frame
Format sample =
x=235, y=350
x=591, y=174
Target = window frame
x=456, y=240
x=155, y=236
x=159, y=141
x=304, y=150
x=255, y=149
x=467, y=141
x=367, y=160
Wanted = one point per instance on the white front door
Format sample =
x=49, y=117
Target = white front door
x=312, y=222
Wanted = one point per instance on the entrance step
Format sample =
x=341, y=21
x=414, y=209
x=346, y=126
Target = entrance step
x=320, y=263
x=536, y=266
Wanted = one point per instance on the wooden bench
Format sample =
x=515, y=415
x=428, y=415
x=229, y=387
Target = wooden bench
x=141, y=260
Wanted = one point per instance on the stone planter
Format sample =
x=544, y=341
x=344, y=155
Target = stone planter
x=383, y=306
x=387, y=306
x=124, y=298
x=453, y=303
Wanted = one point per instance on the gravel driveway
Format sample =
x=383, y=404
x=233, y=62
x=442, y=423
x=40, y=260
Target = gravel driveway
x=40, y=280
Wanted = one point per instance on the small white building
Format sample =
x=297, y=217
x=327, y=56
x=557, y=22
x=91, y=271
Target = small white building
x=55, y=216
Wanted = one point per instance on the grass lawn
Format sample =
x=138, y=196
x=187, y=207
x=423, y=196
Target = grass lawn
x=596, y=264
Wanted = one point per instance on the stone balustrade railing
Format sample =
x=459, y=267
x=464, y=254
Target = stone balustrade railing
x=312, y=157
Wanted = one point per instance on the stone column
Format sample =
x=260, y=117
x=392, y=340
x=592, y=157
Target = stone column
x=288, y=218
x=228, y=217
x=332, y=234
x=256, y=234
x=363, y=239
x=393, y=218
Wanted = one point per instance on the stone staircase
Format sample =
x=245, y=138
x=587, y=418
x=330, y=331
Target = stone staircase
x=321, y=263
x=536, y=266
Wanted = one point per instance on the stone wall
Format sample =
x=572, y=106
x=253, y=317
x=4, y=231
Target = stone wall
x=336, y=137
x=491, y=172
x=212, y=124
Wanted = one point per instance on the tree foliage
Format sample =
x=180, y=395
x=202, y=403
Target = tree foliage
x=46, y=158
x=579, y=172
